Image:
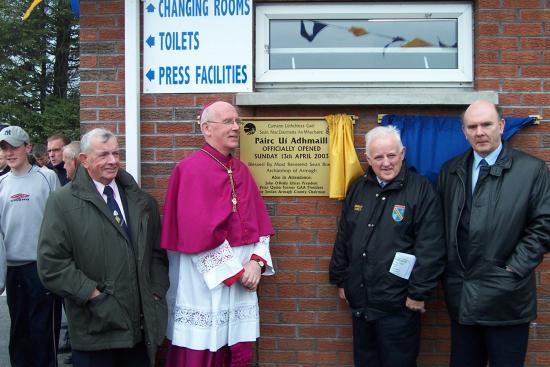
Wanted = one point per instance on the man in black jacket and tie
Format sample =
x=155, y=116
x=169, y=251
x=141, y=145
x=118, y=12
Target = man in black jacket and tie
x=99, y=248
x=496, y=203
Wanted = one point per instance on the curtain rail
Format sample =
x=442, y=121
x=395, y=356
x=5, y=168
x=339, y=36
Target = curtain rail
x=537, y=118
x=253, y=118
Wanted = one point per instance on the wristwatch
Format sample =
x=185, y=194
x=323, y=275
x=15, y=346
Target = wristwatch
x=260, y=262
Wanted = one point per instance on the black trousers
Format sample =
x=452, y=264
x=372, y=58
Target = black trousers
x=391, y=341
x=501, y=346
x=35, y=315
x=121, y=357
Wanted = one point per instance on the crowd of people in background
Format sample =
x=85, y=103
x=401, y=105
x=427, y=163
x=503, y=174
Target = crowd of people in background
x=92, y=239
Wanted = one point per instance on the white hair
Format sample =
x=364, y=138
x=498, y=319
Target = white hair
x=204, y=115
x=100, y=132
x=71, y=150
x=382, y=131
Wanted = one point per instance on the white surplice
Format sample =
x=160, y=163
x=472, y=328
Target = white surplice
x=204, y=313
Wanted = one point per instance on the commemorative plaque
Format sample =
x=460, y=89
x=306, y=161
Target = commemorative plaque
x=287, y=157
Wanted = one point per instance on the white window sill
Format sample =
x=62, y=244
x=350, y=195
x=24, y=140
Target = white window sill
x=365, y=97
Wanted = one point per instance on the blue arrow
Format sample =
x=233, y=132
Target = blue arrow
x=150, y=41
x=150, y=74
x=150, y=8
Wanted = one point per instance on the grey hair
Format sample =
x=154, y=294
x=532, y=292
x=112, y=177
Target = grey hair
x=39, y=150
x=382, y=131
x=99, y=132
x=71, y=150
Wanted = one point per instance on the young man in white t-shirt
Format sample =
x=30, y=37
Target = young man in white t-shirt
x=35, y=312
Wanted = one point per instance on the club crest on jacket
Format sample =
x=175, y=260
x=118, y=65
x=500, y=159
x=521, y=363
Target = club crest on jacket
x=398, y=213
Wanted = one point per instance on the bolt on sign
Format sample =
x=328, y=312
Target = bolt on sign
x=287, y=157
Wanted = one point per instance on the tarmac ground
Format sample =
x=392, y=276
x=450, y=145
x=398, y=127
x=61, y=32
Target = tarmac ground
x=5, y=336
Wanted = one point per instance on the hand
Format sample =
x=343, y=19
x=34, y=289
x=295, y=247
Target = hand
x=94, y=294
x=342, y=295
x=416, y=306
x=251, y=276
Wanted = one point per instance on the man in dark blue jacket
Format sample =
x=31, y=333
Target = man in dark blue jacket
x=496, y=202
x=388, y=254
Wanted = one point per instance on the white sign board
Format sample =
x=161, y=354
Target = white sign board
x=197, y=46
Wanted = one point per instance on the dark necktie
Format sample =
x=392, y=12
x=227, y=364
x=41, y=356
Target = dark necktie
x=483, y=172
x=115, y=209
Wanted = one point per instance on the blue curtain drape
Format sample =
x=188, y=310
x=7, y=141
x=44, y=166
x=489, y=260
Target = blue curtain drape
x=75, y=6
x=432, y=140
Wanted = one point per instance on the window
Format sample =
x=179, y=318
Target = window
x=359, y=44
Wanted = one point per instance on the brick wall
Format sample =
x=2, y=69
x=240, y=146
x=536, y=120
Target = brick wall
x=303, y=323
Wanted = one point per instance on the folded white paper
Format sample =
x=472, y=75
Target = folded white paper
x=402, y=265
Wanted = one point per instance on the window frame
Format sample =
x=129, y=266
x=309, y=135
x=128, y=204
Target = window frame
x=461, y=76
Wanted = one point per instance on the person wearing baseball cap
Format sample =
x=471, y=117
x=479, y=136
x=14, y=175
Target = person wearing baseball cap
x=35, y=312
x=15, y=136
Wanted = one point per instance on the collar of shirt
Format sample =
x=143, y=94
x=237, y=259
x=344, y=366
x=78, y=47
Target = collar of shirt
x=382, y=183
x=100, y=187
x=491, y=158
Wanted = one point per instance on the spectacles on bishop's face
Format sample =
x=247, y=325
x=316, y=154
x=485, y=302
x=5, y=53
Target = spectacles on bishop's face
x=228, y=122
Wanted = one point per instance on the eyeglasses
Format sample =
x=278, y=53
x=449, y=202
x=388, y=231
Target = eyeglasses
x=228, y=122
